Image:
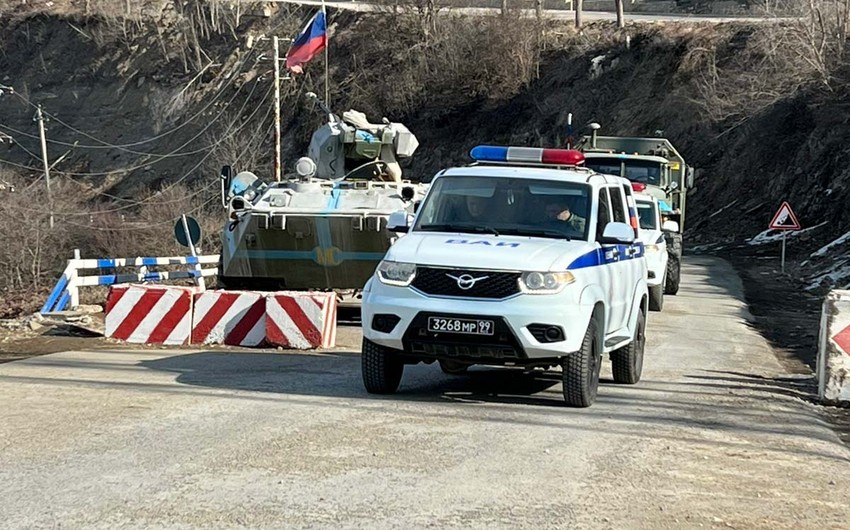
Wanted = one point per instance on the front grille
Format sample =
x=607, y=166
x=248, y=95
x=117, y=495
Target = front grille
x=418, y=340
x=493, y=285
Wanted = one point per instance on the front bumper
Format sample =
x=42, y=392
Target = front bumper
x=515, y=319
x=656, y=267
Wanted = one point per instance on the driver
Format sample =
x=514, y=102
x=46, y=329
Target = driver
x=476, y=206
x=558, y=211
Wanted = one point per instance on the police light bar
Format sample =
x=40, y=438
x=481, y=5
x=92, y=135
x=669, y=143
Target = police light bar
x=528, y=155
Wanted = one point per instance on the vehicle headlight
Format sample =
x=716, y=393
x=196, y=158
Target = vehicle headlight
x=396, y=273
x=651, y=248
x=545, y=282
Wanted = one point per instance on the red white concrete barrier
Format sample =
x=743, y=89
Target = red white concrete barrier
x=148, y=314
x=235, y=318
x=833, y=365
x=301, y=320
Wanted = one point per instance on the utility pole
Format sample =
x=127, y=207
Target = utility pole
x=39, y=117
x=620, y=22
x=276, y=109
x=578, y=13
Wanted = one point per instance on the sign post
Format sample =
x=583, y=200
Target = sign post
x=784, y=220
x=187, y=232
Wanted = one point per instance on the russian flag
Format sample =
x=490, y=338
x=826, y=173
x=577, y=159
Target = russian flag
x=310, y=42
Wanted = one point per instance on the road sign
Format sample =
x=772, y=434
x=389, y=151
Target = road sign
x=842, y=340
x=785, y=219
x=192, y=227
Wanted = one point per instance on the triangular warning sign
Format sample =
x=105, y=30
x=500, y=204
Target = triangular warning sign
x=785, y=219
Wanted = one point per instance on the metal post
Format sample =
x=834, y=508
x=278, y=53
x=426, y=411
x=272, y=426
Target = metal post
x=579, y=6
x=327, y=67
x=40, y=119
x=73, y=288
x=620, y=20
x=782, y=265
x=276, y=109
x=199, y=281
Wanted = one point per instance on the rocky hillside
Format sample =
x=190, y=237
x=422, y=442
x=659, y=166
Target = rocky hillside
x=166, y=92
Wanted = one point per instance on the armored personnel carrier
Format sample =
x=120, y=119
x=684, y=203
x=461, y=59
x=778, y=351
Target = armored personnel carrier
x=655, y=168
x=323, y=227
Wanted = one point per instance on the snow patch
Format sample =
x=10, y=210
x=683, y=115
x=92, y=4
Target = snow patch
x=724, y=208
x=826, y=248
x=770, y=236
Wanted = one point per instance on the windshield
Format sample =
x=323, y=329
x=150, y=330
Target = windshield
x=506, y=206
x=645, y=171
x=646, y=214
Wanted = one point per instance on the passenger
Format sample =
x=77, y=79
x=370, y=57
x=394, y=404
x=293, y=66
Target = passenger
x=476, y=206
x=559, y=211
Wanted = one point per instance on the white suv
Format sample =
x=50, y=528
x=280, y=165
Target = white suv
x=484, y=276
x=655, y=245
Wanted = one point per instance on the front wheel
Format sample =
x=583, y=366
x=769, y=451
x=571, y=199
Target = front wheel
x=671, y=284
x=581, y=370
x=627, y=362
x=381, y=368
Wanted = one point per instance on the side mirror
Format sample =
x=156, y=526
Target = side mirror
x=398, y=222
x=670, y=226
x=690, y=174
x=617, y=234
x=226, y=177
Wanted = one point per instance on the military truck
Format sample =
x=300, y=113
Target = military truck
x=656, y=168
x=324, y=227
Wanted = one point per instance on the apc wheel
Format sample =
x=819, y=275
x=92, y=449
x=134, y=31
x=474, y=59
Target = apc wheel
x=381, y=369
x=453, y=367
x=627, y=362
x=656, y=298
x=671, y=284
x=581, y=370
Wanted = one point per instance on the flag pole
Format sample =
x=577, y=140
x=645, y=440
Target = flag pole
x=327, y=44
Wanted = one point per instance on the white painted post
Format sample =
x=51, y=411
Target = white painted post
x=73, y=274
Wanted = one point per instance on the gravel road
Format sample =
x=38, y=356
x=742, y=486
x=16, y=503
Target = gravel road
x=717, y=435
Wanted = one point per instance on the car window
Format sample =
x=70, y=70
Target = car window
x=618, y=207
x=603, y=216
x=506, y=205
x=646, y=214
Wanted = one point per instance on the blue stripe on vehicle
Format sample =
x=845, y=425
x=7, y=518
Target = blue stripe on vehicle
x=591, y=259
x=604, y=256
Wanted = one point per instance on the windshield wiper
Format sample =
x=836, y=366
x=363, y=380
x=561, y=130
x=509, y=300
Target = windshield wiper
x=459, y=227
x=538, y=232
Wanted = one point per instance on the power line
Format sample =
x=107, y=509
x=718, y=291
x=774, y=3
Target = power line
x=224, y=137
x=160, y=157
x=107, y=145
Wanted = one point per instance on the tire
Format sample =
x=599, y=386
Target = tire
x=381, y=369
x=671, y=284
x=581, y=369
x=453, y=367
x=627, y=362
x=656, y=298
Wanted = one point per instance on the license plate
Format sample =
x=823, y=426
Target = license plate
x=466, y=326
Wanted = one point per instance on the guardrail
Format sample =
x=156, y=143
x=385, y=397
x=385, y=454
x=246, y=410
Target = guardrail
x=67, y=290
